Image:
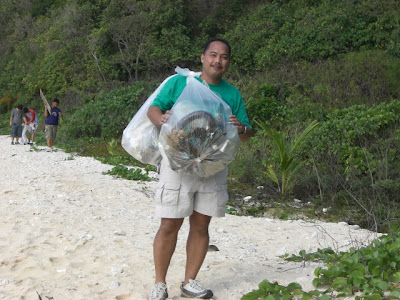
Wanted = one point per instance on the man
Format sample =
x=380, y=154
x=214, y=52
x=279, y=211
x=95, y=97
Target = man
x=51, y=123
x=200, y=199
x=16, y=124
x=31, y=122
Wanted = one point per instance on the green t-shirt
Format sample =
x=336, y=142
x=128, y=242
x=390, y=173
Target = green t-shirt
x=227, y=92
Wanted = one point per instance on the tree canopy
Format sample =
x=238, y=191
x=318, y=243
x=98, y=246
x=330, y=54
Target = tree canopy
x=73, y=49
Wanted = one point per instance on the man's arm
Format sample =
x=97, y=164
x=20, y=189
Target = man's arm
x=11, y=118
x=46, y=112
x=245, y=133
x=156, y=116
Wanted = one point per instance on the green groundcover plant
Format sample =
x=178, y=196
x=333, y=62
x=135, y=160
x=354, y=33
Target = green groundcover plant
x=371, y=272
x=129, y=173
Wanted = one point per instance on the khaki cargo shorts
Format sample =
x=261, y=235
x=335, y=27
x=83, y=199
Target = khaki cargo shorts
x=50, y=131
x=178, y=194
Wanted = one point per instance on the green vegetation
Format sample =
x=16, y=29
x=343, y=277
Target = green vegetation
x=335, y=62
x=128, y=173
x=289, y=165
x=371, y=272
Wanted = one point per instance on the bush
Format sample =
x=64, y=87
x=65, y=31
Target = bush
x=368, y=77
x=108, y=114
x=355, y=153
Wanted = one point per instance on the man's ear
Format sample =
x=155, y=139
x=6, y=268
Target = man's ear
x=202, y=58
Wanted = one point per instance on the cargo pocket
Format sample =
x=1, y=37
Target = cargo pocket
x=167, y=194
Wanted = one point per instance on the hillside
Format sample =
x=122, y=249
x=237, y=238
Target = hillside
x=336, y=62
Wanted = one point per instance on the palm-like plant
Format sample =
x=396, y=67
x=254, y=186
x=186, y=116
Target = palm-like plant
x=289, y=164
x=112, y=147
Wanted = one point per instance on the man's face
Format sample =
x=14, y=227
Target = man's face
x=215, y=62
x=54, y=104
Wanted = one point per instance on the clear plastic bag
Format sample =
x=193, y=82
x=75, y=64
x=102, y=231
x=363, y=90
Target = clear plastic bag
x=140, y=137
x=198, y=138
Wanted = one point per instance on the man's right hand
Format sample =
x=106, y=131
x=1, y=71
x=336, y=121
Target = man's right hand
x=165, y=117
x=157, y=117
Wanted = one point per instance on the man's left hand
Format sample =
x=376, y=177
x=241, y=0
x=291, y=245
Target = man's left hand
x=235, y=121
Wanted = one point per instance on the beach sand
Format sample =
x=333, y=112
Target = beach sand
x=67, y=231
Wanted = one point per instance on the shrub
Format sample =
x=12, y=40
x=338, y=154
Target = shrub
x=107, y=115
x=367, y=77
x=355, y=153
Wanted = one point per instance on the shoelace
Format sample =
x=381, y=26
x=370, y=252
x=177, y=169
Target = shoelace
x=159, y=289
x=196, y=285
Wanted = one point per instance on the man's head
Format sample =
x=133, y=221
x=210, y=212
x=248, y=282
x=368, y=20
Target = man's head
x=55, y=102
x=215, y=60
x=216, y=39
x=20, y=107
x=25, y=110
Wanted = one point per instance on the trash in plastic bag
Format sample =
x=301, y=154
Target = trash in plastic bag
x=140, y=137
x=198, y=138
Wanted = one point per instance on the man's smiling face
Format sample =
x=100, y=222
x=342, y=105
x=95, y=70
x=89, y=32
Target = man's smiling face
x=215, y=62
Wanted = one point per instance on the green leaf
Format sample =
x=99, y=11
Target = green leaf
x=317, y=271
x=339, y=283
x=316, y=282
x=294, y=286
x=396, y=277
x=394, y=294
x=383, y=285
x=357, y=277
x=374, y=297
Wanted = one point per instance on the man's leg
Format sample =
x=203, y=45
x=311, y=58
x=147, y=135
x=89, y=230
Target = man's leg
x=164, y=246
x=13, y=133
x=197, y=244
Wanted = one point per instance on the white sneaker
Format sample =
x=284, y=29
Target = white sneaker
x=194, y=289
x=159, y=291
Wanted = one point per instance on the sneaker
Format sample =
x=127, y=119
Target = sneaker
x=12, y=143
x=194, y=289
x=159, y=291
x=17, y=143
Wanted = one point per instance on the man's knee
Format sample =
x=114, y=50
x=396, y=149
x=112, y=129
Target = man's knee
x=199, y=223
x=170, y=226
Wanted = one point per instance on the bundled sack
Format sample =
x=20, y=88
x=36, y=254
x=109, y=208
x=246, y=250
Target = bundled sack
x=198, y=138
x=140, y=137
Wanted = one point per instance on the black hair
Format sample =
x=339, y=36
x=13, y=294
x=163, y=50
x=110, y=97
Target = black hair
x=56, y=100
x=20, y=106
x=26, y=110
x=216, y=39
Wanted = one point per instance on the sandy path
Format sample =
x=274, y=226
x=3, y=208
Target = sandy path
x=69, y=232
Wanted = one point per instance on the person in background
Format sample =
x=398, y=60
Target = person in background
x=52, y=120
x=31, y=123
x=16, y=124
x=179, y=195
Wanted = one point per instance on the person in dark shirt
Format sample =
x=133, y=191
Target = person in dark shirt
x=53, y=118
x=16, y=124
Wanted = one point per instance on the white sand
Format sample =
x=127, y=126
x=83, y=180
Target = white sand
x=69, y=232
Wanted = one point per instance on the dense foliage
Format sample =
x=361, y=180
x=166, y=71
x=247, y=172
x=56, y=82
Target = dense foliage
x=370, y=272
x=336, y=62
x=298, y=62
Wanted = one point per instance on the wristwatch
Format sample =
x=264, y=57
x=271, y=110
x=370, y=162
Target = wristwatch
x=244, y=130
